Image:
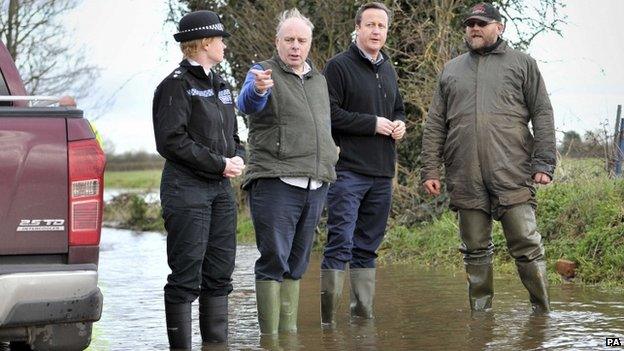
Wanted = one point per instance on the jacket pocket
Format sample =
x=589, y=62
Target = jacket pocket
x=215, y=145
x=265, y=140
x=297, y=141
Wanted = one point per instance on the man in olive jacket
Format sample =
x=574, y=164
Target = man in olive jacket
x=291, y=163
x=478, y=127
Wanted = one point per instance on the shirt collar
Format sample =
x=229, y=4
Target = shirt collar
x=369, y=56
x=195, y=63
x=306, y=68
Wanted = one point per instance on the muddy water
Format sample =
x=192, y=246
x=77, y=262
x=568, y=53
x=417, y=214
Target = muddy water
x=416, y=309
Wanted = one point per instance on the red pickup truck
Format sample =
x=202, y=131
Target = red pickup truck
x=51, y=183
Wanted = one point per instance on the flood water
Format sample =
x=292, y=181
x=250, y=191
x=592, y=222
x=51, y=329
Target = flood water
x=415, y=308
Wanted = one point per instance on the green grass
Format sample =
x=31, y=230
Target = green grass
x=147, y=179
x=245, y=233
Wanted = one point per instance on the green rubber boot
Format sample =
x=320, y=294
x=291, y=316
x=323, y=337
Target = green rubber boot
x=480, y=286
x=535, y=280
x=525, y=246
x=268, y=303
x=289, y=305
x=362, y=292
x=332, y=282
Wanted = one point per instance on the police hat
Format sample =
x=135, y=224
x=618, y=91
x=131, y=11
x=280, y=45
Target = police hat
x=200, y=24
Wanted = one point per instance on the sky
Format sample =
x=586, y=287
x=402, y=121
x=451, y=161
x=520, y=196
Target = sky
x=583, y=70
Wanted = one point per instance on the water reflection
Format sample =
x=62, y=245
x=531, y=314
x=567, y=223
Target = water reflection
x=416, y=309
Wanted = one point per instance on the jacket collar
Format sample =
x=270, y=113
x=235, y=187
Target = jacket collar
x=500, y=48
x=198, y=71
x=355, y=51
x=288, y=69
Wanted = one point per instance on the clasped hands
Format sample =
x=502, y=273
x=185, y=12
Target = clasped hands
x=233, y=167
x=395, y=129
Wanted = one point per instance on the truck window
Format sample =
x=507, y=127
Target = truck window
x=4, y=90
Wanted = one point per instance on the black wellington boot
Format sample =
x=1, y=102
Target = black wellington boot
x=213, y=319
x=178, y=318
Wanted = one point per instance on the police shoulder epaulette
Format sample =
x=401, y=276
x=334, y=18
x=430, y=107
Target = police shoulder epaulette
x=178, y=73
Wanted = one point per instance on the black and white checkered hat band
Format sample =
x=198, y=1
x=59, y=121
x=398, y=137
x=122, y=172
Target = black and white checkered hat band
x=218, y=26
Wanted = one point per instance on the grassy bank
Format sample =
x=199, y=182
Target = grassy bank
x=146, y=179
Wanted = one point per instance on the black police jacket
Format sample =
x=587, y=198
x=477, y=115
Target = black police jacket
x=194, y=121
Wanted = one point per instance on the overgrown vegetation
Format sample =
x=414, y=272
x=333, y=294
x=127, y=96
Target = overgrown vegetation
x=132, y=211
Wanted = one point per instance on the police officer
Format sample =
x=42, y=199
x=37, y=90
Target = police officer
x=196, y=132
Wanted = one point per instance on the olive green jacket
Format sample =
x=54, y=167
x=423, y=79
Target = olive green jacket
x=478, y=127
x=291, y=136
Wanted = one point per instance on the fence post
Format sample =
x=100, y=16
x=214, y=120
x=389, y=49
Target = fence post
x=618, y=145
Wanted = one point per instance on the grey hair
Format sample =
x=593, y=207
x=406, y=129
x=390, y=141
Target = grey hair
x=292, y=13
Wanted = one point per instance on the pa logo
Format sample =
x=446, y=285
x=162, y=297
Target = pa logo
x=613, y=342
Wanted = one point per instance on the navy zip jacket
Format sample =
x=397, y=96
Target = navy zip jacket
x=359, y=91
x=194, y=122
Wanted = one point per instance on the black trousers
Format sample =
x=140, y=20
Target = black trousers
x=200, y=219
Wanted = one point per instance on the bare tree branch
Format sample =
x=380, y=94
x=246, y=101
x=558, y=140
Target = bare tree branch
x=49, y=64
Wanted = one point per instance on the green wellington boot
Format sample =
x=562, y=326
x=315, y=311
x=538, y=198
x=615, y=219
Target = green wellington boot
x=332, y=282
x=525, y=245
x=480, y=286
x=289, y=305
x=268, y=303
x=533, y=276
x=362, y=292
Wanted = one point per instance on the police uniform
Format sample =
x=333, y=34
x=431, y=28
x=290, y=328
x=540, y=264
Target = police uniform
x=196, y=130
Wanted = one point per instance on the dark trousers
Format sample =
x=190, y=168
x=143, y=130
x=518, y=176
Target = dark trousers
x=358, y=210
x=284, y=218
x=200, y=219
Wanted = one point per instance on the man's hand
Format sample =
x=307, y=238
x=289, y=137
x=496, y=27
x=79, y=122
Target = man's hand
x=541, y=178
x=233, y=167
x=384, y=126
x=432, y=186
x=399, y=130
x=262, y=80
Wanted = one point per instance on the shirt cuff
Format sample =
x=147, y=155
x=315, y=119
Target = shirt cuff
x=259, y=93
